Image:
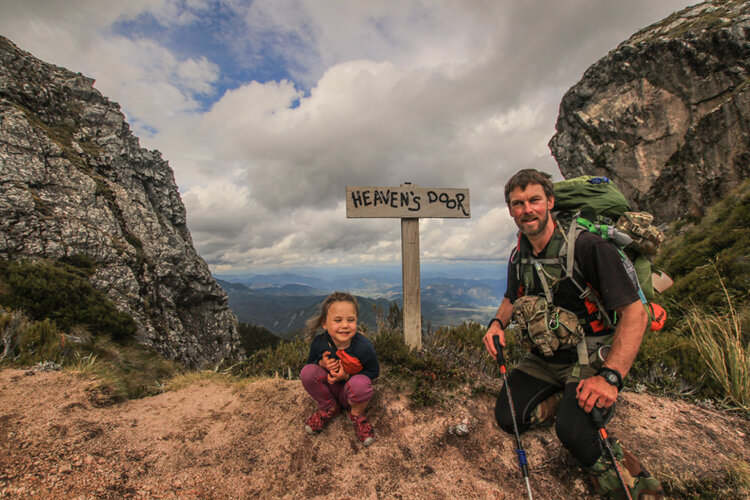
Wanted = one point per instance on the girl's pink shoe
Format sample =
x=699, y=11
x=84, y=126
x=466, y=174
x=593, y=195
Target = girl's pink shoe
x=363, y=429
x=318, y=420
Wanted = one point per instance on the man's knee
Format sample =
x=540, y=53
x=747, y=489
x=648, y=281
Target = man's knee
x=579, y=438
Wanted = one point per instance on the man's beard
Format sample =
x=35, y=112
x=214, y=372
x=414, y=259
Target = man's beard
x=543, y=221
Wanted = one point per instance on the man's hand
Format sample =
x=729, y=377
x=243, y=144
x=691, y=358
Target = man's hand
x=496, y=329
x=328, y=363
x=493, y=331
x=628, y=334
x=595, y=391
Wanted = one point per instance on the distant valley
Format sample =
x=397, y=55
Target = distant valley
x=283, y=302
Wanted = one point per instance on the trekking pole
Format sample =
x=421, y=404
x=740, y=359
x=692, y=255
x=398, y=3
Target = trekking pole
x=519, y=447
x=598, y=419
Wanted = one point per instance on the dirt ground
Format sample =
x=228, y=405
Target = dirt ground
x=213, y=440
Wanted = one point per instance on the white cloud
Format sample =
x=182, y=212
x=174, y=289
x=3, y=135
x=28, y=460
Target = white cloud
x=438, y=93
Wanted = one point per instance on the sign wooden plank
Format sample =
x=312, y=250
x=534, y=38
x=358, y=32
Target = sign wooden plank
x=407, y=201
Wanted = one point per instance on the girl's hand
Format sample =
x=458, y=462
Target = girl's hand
x=327, y=363
x=337, y=375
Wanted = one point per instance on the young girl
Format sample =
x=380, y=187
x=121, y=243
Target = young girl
x=340, y=368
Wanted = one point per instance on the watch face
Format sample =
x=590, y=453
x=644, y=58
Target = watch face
x=611, y=378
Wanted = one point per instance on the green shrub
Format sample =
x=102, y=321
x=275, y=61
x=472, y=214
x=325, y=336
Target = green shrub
x=124, y=371
x=424, y=364
x=39, y=342
x=720, y=239
x=668, y=363
x=24, y=342
x=60, y=292
x=286, y=359
x=254, y=338
x=449, y=357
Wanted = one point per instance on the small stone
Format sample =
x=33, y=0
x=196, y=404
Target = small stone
x=462, y=430
x=65, y=469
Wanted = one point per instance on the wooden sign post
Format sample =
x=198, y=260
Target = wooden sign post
x=409, y=203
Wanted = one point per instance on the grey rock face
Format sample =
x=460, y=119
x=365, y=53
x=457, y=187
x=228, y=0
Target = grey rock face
x=667, y=113
x=74, y=180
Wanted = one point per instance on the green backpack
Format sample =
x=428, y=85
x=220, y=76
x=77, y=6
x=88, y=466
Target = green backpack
x=595, y=204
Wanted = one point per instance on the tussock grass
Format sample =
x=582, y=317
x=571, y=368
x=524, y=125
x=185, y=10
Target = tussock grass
x=187, y=379
x=284, y=359
x=724, y=349
x=734, y=484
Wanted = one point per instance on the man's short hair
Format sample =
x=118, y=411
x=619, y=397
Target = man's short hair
x=529, y=176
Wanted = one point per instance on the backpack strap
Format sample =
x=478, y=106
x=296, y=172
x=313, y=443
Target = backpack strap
x=573, y=233
x=560, y=264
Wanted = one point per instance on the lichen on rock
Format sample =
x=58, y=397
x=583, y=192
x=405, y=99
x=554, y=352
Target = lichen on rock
x=75, y=181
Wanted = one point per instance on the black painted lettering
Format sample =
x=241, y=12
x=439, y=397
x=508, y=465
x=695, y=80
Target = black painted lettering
x=384, y=197
x=366, y=198
x=460, y=200
x=357, y=198
x=432, y=196
x=404, y=199
x=417, y=201
x=394, y=199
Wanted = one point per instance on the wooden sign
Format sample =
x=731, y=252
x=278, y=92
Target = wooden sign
x=409, y=203
x=406, y=201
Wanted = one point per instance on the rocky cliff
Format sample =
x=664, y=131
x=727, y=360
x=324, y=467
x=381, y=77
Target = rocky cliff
x=74, y=180
x=667, y=113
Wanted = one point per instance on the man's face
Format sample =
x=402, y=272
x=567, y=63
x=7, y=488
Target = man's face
x=530, y=209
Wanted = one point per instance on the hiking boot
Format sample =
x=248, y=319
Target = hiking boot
x=544, y=413
x=363, y=429
x=318, y=420
x=641, y=485
x=646, y=487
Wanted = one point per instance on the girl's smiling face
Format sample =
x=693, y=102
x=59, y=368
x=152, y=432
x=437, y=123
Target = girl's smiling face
x=341, y=323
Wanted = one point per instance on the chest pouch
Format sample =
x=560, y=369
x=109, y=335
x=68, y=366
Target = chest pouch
x=546, y=326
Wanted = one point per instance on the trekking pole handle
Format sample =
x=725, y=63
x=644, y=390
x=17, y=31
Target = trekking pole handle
x=499, y=349
x=597, y=417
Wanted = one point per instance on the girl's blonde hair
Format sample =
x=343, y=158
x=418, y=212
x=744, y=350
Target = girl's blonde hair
x=312, y=324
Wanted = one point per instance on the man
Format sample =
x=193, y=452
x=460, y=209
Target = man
x=556, y=381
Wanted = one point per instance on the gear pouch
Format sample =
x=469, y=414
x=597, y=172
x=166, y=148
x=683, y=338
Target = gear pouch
x=545, y=326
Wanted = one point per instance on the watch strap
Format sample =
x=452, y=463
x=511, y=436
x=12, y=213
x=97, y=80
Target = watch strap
x=498, y=322
x=614, y=372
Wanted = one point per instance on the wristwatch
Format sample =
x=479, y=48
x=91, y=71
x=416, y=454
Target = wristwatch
x=612, y=377
x=498, y=322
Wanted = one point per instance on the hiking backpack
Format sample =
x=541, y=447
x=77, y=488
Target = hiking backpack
x=595, y=204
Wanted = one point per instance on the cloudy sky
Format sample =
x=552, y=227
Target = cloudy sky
x=267, y=109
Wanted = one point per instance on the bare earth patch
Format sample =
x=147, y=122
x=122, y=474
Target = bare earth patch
x=213, y=440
